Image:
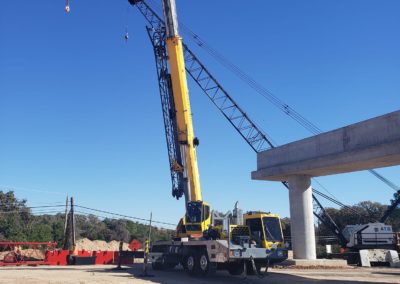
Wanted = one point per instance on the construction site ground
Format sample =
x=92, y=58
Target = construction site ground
x=131, y=274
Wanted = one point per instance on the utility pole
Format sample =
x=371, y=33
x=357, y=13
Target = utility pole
x=73, y=223
x=146, y=250
x=151, y=217
x=66, y=216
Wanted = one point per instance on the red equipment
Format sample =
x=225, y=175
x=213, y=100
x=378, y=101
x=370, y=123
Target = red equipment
x=43, y=253
x=135, y=245
x=24, y=253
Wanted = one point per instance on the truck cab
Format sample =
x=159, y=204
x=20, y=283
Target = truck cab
x=265, y=229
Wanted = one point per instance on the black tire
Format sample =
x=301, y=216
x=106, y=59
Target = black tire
x=163, y=264
x=205, y=267
x=236, y=268
x=190, y=264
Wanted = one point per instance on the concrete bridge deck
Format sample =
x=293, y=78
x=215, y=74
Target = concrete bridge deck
x=372, y=143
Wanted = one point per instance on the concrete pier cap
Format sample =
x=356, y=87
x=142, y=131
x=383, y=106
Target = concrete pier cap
x=369, y=144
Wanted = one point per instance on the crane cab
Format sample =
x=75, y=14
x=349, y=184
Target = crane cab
x=196, y=220
x=265, y=229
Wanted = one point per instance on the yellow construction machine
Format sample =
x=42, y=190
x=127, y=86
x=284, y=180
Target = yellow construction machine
x=205, y=239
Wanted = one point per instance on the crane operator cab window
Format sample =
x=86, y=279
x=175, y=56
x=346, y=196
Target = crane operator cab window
x=196, y=214
x=193, y=213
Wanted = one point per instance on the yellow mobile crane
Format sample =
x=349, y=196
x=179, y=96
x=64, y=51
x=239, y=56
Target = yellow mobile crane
x=206, y=240
x=198, y=217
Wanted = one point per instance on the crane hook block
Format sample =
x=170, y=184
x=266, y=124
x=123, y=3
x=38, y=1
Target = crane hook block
x=67, y=8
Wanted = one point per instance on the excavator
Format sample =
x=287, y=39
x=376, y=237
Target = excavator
x=205, y=241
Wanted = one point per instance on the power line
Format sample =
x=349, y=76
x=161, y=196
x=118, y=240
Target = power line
x=102, y=216
x=30, y=212
x=47, y=212
x=45, y=206
x=26, y=209
x=125, y=216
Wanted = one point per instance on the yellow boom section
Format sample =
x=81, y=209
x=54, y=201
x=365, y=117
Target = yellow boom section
x=183, y=115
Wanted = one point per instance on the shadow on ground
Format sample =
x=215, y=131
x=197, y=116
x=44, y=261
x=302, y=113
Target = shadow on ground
x=178, y=276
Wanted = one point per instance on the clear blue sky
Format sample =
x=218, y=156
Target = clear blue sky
x=80, y=110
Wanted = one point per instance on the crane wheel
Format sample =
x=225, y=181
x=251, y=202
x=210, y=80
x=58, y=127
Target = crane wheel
x=205, y=267
x=190, y=264
x=163, y=264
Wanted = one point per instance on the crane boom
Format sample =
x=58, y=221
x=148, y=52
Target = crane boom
x=168, y=108
x=180, y=92
x=394, y=203
x=181, y=142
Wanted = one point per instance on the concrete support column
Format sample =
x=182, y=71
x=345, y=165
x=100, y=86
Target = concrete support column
x=301, y=217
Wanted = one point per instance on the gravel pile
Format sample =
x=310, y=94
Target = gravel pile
x=88, y=245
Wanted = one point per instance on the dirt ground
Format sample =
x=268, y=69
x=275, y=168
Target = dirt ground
x=105, y=274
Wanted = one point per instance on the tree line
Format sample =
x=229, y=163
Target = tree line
x=18, y=223
x=360, y=213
